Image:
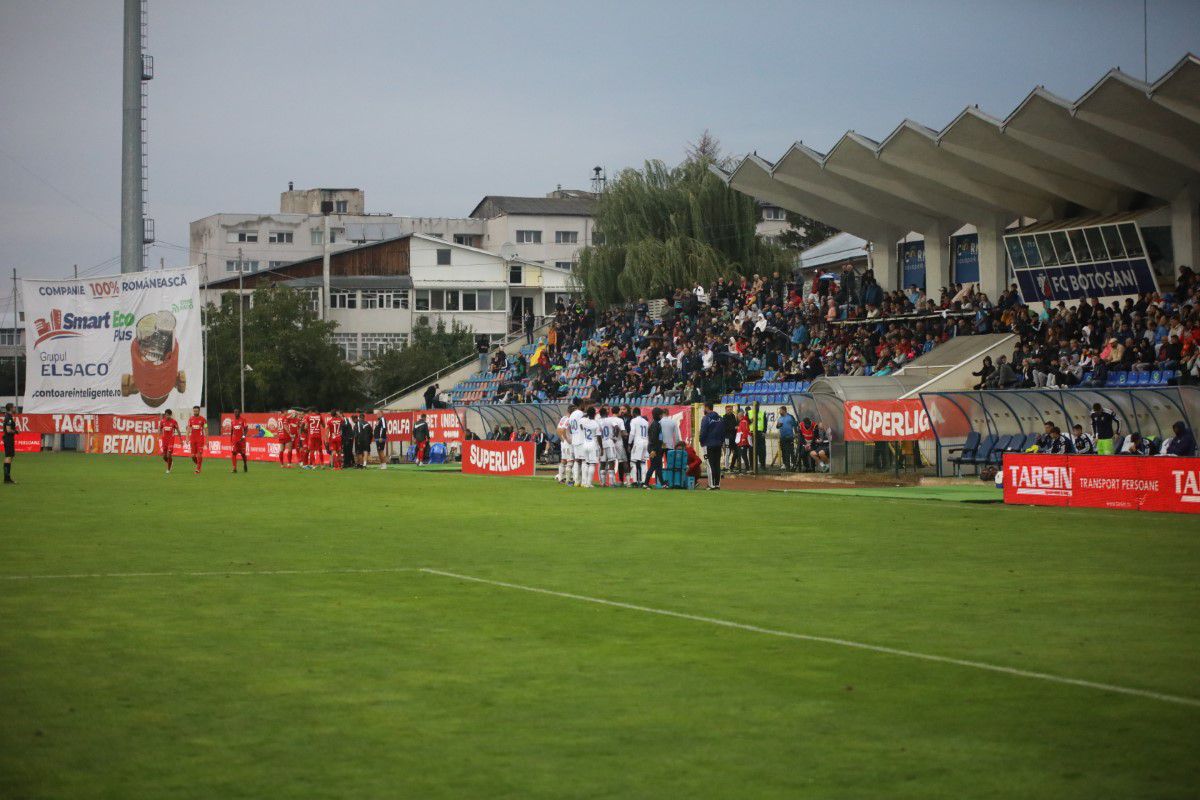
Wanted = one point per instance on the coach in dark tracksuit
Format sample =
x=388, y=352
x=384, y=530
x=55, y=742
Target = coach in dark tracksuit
x=712, y=436
x=347, y=443
x=362, y=440
x=655, y=469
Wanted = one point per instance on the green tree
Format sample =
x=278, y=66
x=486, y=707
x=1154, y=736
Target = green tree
x=290, y=355
x=803, y=232
x=669, y=227
x=429, y=349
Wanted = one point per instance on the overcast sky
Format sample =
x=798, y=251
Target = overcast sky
x=429, y=106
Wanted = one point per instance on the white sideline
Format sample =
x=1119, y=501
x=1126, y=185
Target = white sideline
x=1023, y=673
x=207, y=574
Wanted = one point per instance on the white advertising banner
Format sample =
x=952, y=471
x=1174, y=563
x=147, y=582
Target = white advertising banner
x=127, y=344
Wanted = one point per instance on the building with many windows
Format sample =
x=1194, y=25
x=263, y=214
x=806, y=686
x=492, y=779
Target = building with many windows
x=549, y=230
x=379, y=291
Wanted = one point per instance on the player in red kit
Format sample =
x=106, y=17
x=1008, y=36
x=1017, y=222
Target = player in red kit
x=237, y=439
x=291, y=438
x=197, y=428
x=333, y=439
x=168, y=429
x=314, y=423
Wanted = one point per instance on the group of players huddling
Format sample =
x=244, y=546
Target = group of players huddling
x=303, y=439
x=618, y=444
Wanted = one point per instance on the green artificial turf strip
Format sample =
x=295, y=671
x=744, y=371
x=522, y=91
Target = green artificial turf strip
x=961, y=494
x=407, y=684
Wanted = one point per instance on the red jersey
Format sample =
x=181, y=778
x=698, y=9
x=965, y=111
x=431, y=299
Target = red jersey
x=333, y=427
x=197, y=427
x=237, y=429
x=169, y=429
x=291, y=427
x=313, y=425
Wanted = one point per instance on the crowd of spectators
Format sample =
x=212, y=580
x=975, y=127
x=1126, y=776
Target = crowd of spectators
x=709, y=340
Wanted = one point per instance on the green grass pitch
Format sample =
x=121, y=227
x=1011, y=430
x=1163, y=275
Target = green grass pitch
x=209, y=637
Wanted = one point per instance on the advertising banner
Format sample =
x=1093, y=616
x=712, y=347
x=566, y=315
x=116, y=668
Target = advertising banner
x=1072, y=263
x=481, y=457
x=123, y=345
x=965, y=252
x=886, y=421
x=1146, y=483
x=912, y=262
x=28, y=442
x=443, y=425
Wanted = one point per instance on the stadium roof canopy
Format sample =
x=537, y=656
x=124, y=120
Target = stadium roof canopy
x=1124, y=145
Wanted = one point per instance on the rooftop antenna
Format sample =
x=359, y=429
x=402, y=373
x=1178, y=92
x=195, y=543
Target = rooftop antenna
x=599, y=180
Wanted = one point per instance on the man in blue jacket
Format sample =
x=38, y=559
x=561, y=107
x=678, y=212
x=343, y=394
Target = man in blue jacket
x=712, y=436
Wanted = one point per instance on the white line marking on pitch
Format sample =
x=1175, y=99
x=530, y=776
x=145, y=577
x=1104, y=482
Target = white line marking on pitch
x=724, y=623
x=207, y=574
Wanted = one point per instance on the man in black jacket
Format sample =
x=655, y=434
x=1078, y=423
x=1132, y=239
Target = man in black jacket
x=656, y=448
x=729, y=424
x=347, y=442
x=379, y=434
x=362, y=440
x=420, y=435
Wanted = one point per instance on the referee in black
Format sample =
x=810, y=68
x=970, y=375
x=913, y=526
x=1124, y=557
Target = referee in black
x=10, y=441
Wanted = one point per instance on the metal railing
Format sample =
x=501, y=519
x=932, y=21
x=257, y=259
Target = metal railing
x=540, y=326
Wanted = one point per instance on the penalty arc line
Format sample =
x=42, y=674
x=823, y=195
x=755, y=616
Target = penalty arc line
x=206, y=574
x=875, y=648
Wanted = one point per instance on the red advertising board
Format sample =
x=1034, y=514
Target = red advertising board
x=886, y=421
x=28, y=442
x=1145, y=483
x=498, y=458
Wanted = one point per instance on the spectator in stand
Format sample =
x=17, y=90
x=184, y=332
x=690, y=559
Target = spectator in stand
x=1182, y=444
x=1083, y=443
x=785, y=423
x=1105, y=426
x=712, y=436
x=431, y=396
x=529, y=324
x=481, y=350
x=984, y=373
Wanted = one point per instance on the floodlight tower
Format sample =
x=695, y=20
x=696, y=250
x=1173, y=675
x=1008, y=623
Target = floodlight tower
x=137, y=231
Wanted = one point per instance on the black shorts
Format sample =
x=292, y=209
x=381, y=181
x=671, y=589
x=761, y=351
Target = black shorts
x=10, y=446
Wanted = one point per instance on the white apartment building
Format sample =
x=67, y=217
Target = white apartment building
x=380, y=291
x=549, y=230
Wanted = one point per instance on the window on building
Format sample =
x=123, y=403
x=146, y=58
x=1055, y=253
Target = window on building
x=340, y=206
x=468, y=301
x=375, y=344
x=565, y=264
x=422, y=300
x=385, y=298
x=242, y=236
x=483, y=301
x=343, y=298
x=280, y=237
x=316, y=236
x=516, y=274
x=333, y=234
x=314, y=300
x=348, y=344
x=774, y=213
x=443, y=256
x=248, y=265
x=464, y=238
x=566, y=237
x=10, y=337
x=452, y=299
x=529, y=237
x=275, y=264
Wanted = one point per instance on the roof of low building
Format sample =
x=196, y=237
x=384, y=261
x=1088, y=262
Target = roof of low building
x=497, y=205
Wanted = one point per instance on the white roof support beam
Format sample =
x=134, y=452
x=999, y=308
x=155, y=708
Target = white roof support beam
x=1179, y=89
x=1044, y=122
x=1120, y=105
x=978, y=138
x=854, y=157
x=801, y=168
x=914, y=149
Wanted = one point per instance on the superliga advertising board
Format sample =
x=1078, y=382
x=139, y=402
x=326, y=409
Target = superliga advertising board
x=127, y=344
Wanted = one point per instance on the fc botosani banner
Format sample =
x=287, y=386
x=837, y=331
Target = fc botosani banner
x=128, y=344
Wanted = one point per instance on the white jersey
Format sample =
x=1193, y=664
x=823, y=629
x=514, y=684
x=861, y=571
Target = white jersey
x=573, y=429
x=639, y=439
x=564, y=441
x=607, y=433
x=618, y=444
x=590, y=433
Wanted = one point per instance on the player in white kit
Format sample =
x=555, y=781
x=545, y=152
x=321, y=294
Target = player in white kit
x=612, y=429
x=639, y=447
x=577, y=441
x=566, y=453
x=589, y=428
